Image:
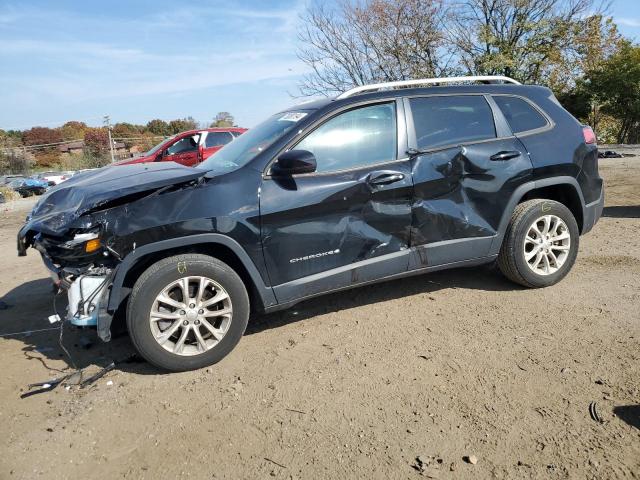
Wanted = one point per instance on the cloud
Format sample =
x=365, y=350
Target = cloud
x=91, y=56
x=628, y=22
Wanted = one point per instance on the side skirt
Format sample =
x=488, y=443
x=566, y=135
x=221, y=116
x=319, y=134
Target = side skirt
x=313, y=283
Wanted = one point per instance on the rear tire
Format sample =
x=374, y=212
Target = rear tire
x=177, y=331
x=540, y=245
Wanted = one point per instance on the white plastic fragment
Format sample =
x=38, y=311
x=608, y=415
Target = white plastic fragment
x=54, y=318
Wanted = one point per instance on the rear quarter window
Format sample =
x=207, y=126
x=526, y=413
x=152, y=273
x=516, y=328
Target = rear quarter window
x=451, y=120
x=520, y=114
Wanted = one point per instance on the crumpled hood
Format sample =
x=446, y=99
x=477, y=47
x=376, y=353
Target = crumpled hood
x=67, y=201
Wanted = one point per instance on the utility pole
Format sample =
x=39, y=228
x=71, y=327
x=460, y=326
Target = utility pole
x=107, y=123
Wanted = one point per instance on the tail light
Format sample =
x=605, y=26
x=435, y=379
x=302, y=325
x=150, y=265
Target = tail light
x=589, y=136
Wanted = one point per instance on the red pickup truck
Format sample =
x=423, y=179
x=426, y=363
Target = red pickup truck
x=188, y=148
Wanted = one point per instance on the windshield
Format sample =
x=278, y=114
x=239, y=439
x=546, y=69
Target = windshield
x=158, y=146
x=248, y=145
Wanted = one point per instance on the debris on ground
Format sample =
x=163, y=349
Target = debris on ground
x=472, y=459
x=48, y=385
x=593, y=411
x=98, y=375
x=428, y=465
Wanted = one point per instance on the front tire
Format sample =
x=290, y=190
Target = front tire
x=540, y=245
x=187, y=312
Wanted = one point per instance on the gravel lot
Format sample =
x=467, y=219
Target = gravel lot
x=358, y=384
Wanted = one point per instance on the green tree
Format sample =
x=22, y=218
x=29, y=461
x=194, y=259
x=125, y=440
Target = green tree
x=127, y=133
x=614, y=85
x=222, y=120
x=182, y=124
x=159, y=127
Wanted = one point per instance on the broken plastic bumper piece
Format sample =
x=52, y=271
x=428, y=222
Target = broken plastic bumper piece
x=85, y=296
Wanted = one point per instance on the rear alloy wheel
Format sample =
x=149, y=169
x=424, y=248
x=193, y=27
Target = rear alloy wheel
x=547, y=245
x=187, y=312
x=540, y=245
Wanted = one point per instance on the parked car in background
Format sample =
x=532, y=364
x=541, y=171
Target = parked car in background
x=27, y=187
x=188, y=148
x=53, y=178
x=7, y=179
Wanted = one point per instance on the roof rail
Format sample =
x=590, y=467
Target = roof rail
x=427, y=81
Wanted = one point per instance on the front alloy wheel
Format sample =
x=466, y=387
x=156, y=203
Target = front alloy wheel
x=191, y=315
x=187, y=312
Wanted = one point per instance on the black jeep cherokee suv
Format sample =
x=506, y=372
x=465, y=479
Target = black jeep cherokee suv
x=325, y=196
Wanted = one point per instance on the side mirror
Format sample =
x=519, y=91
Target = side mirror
x=294, y=162
x=158, y=157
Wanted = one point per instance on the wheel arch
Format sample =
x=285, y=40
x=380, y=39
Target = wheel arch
x=563, y=189
x=215, y=245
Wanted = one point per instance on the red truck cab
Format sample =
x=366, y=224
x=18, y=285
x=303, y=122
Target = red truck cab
x=188, y=148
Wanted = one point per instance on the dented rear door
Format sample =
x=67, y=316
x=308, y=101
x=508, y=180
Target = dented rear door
x=469, y=166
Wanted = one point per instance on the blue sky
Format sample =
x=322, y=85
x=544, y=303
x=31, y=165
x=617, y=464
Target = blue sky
x=142, y=59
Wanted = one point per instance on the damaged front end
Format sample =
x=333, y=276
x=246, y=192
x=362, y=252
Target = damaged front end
x=78, y=229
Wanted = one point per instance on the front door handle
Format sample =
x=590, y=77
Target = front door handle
x=505, y=155
x=384, y=177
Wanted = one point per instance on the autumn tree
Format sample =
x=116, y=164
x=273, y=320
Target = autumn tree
x=357, y=43
x=222, y=120
x=73, y=130
x=16, y=160
x=534, y=41
x=96, y=141
x=41, y=136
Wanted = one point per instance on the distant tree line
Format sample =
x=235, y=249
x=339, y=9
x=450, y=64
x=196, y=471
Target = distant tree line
x=571, y=46
x=38, y=147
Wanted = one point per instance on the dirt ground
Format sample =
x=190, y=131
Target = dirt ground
x=354, y=385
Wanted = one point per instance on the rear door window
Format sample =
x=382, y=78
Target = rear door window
x=520, y=114
x=217, y=139
x=451, y=120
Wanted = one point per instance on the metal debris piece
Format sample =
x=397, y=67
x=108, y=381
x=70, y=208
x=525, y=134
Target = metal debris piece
x=48, y=385
x=593, y=411
x=98, y=375
x=274, y=462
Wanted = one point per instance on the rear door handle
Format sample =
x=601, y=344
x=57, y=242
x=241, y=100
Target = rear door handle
x=505, y=155
x=385, y=177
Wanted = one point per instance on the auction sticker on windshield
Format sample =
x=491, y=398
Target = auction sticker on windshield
x=292, y=117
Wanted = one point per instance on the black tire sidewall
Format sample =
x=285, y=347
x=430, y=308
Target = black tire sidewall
x=536, y=211
x=142, y=301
